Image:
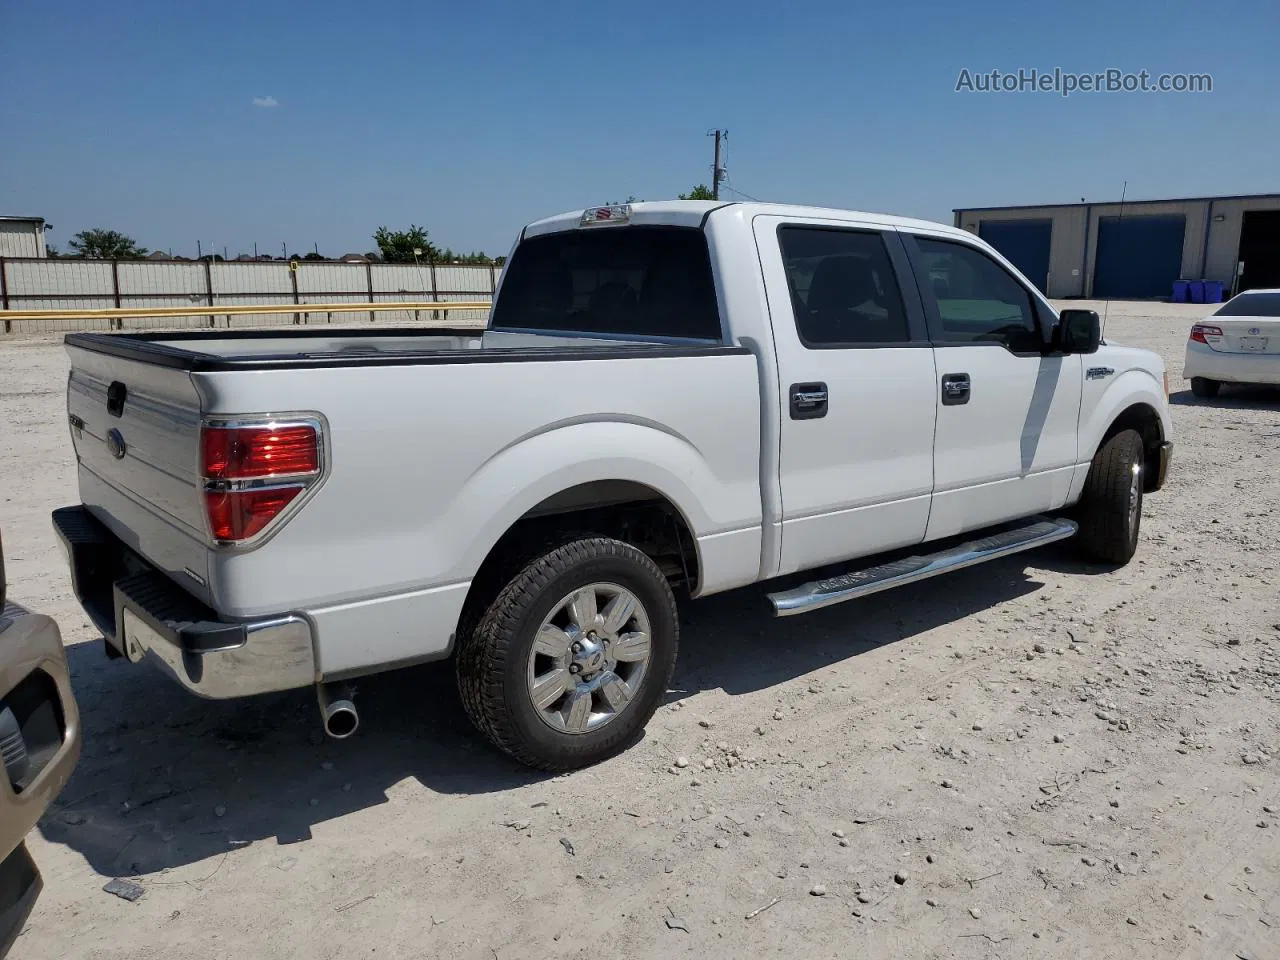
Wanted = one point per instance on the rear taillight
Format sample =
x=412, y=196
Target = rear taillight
x=252, y=472
x=237, y=515
x=247, y=453
x=1200, y=331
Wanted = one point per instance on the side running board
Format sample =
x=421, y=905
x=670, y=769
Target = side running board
x=862, y=583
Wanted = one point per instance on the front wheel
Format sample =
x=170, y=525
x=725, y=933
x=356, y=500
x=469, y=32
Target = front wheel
x=572, y=658
x=1204, y=388
x=1110, y=510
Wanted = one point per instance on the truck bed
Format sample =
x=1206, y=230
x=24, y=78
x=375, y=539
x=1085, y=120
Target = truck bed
x=212, y=350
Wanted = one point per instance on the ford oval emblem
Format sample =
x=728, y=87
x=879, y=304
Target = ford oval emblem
x=1255, y=330
x=116, y=444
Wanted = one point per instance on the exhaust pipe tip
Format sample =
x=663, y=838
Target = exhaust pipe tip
x=339, y=716
x=341, y=720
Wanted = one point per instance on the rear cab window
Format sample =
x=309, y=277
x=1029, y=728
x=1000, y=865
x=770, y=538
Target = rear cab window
x=633, y=281
x=1251, y=305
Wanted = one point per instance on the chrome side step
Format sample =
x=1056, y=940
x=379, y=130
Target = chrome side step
x=862, y=583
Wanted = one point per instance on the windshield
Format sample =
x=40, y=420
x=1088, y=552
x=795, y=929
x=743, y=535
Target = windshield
x=1251, y=305
x=613, y=281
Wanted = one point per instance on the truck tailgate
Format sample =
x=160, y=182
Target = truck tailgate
x=136, y=431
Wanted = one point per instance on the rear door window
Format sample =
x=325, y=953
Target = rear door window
x=843, y=289
x=634, y=281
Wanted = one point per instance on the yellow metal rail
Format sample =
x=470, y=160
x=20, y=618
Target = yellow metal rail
x=229, y=310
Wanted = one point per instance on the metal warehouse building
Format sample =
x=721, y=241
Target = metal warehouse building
x=22, y=237
x=1139, y=248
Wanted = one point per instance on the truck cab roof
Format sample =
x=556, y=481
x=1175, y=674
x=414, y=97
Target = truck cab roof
x=693, y=213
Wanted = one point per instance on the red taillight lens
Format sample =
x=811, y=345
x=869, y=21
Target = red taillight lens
x=248, y=453
x=1202, y=330
x=252, y=472
x=241, y=514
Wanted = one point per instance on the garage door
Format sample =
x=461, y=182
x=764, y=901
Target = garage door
x=1260, y=249
x=1138, y=257
x=1024, y=243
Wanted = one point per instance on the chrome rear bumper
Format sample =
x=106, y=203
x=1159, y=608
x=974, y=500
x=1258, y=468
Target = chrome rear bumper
x=146, y=616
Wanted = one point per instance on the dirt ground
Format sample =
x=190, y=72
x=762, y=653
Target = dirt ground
x=1030, y=758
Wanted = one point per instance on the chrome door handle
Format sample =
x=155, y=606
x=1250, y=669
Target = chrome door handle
x=808, y=401
x=955, y=389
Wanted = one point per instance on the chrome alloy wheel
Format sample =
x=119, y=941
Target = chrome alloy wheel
x=1135, y=497
x=589, y=658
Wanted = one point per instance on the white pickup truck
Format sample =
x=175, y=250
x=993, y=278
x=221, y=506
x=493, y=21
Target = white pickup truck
x=674, y=398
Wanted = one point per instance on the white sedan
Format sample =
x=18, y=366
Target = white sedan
x=1240, y=343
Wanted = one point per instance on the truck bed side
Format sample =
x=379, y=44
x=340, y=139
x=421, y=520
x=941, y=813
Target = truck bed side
x=431, y=465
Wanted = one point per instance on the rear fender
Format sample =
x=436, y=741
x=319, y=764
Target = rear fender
x=567, y=455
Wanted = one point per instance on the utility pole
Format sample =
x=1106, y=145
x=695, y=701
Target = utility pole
x=717, y=168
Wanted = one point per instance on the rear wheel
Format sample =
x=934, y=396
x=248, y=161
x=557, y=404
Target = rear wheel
x=571, y=659
x=1205, y=388
x=1110, y=509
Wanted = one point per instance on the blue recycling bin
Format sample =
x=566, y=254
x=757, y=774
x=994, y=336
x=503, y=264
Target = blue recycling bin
x=1182, y=291
x=1213, y=291
x=1197, y=291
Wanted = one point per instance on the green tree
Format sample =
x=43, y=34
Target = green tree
x=700, y=192
x=313, y=255
x=100, y=244
x=447, y=255
x=397, y=246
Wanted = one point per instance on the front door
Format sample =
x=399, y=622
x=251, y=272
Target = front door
x=856, y=380
x=1008, y=411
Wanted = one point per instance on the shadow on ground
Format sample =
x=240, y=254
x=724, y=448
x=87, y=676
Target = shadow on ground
x=167, y=779
x=1231, y=397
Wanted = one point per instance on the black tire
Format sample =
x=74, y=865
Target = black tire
x=493, y=658
x=1204, y=388
x=1110, y=509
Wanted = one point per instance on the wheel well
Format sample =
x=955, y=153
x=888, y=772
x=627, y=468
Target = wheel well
x=1143, y=418
x=620, y=509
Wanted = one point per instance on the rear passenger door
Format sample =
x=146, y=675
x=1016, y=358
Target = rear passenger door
x=856, y=381
x=1008, y=409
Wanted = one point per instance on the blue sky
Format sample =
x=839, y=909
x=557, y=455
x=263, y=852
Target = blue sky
x=472, y=119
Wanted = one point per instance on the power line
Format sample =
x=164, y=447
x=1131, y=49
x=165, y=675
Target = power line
x=744, y=195
x=723, y=166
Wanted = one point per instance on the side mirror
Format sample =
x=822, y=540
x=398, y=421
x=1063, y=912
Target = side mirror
x=1079, y=331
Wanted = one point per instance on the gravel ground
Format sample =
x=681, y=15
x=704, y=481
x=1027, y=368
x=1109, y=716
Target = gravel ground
x=1029, y=758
